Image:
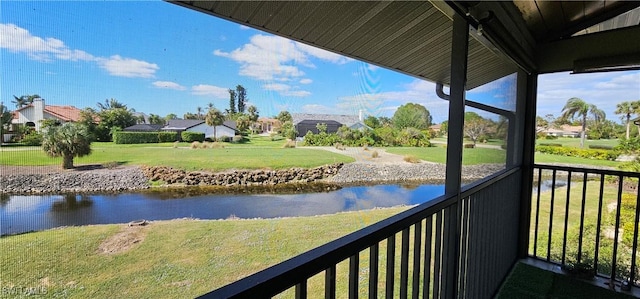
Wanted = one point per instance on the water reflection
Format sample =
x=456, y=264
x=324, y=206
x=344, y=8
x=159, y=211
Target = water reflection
x=31, y=213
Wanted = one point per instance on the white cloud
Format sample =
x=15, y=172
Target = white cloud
x=20, y=40
x=605, y=90
x=372, y=67
x=168, y=85
x=210, y=90
x=243, y=27
x=127, y=67
x=277, y=59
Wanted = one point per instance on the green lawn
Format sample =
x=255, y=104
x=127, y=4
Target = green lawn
x=176, y=259
x=185, y=158
x=438, y=154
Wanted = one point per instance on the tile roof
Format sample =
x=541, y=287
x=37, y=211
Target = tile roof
x=65, y=113
x=182, y=124
x=347, y=120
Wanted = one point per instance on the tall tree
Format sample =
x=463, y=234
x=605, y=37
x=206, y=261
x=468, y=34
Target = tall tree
x=626, y=110
x=577, y=106
x=111, y=104
x=253, y=116
x=243, y=123
x=214, y=118
x=156, y=119
x=411, y=115
x=475, y=126
x=67, y=141
x=170, y=116
x=199, y=111
x=284, y=116
x=241, y=93
x=5, y=120
x=232, y=101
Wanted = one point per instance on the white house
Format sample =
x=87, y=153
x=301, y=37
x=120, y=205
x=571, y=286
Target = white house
x=33, y=114
x=228, y=128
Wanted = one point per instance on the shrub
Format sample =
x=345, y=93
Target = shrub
x=550, y=137
x=192, y=136
x=375, y=154
x=195, y=144
x=469, y=145
x=596, y=154
x=289, y=144
x=217, y=145
x=551, y=144
x=224, y=139
x=33, y=138
x=598, y=146
x=411, y=159
x=341, y=147
x=123, y=137
x=237, y=139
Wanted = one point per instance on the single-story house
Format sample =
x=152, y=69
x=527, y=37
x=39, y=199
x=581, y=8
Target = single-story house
x=228, y=128
x=563, y=131
x=267, y=125
x=144, y=128
x=307, y=122
x=33, y=114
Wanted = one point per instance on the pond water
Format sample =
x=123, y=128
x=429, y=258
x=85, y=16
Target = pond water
x=19, y=214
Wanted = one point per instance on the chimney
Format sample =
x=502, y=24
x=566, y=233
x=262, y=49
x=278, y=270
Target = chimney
x=38, y=113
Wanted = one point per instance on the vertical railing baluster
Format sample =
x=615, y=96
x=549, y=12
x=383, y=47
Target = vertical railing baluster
x=437, y=277
x=616, y=236
x=582, y=207
x=417, y=246
x=426, y=280
x=535, y=236
x=404, y=264
x=634, y=250
x=598, y=224
x=551, y=206
x=301, y=290
x=391, y=258
x=566, y=218
x=330, y=283
x=373, y=270
x=354, y=271
x=464, y=244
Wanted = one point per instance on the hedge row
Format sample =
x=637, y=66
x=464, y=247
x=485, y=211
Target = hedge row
x=192, y=136
x=597, y=154
x=143, y=137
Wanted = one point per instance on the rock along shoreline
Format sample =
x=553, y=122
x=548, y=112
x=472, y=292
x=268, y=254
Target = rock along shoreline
x=140, y=178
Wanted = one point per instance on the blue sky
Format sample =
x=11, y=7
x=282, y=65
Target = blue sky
x=160, y=58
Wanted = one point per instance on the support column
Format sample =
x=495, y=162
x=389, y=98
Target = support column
x=528, y=152
x=459, y=49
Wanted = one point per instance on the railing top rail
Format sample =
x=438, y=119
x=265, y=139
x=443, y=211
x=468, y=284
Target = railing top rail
x=588, y=170
x=280, y=277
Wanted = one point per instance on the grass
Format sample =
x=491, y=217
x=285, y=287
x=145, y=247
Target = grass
x=526, y=281
x=179, y=258
x=549, y=159
x=575, y=142
x=184, y=158
x=470, y=156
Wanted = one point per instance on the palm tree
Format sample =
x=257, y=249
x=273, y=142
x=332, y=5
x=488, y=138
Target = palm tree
x=577, y=106
x=626, y=109
x=67, y=141
x=5, y=120
x=199, y=110
x=214, y=118
x=111, y=104
x=24, y=100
